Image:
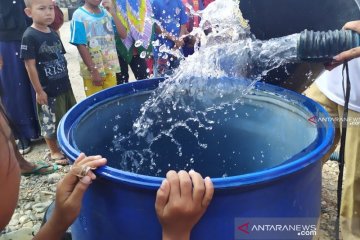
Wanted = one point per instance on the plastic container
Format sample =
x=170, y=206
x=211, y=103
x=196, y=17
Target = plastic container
x=286, y=184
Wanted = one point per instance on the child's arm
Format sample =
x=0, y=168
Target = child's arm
x=69, y=195
x=109, y=6
x=41, y=96
x=86, y=57
x=159, y=30
x=119, y=27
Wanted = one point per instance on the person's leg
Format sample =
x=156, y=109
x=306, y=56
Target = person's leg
x=138, y=66
x=161, y=67
x=55, y=152
x=90, y=89
x=150, y=66
x=70, y=100
x=155, y=69
x=63, y=104
x=350, y=206
x=331, y=107
x=110, y=81
x=27, y=167
x=172, y=64
x=48, y=121
x=123, y=76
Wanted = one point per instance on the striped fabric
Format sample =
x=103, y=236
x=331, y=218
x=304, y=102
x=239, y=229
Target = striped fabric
x=121, y=14
x=136, y=15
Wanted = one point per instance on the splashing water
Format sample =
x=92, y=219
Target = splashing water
x=208, y=83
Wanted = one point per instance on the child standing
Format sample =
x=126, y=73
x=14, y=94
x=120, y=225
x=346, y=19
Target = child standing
x=43, y=53
x=93, y=34
x=170, y=27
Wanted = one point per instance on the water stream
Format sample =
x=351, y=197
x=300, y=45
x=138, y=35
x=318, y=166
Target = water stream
x=201, y=104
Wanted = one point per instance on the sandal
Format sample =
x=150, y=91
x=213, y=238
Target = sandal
x=39, y=169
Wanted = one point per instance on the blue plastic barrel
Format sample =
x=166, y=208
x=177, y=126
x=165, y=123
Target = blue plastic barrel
x=285, y=186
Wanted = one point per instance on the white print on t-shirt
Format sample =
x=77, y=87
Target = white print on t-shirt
x=56, y=68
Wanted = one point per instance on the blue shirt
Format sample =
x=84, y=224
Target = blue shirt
x=97, y=33
x=171, y=15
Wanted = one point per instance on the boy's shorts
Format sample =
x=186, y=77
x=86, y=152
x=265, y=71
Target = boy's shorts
x=109, y=81
x=50, y=115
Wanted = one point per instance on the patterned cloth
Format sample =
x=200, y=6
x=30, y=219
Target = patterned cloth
x=96, y=31
x=136, y=16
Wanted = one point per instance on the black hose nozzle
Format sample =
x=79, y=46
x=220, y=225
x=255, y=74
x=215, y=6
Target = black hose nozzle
x=323, y=46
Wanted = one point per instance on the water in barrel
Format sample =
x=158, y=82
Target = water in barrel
x=208, y=112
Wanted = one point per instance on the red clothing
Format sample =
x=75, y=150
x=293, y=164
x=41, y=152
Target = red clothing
x=193, y=20
x=207, y=2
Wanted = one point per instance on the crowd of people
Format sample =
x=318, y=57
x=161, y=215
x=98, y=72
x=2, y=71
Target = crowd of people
x=36, y=92
x=102, y=33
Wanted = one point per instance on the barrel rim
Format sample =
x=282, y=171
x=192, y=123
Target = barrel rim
x=152, y=182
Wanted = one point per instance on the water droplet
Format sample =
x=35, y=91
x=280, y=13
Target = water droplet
x=115, y=128
x=162, y=48
x=138, y=43
x=156, y=43
x=143, y=54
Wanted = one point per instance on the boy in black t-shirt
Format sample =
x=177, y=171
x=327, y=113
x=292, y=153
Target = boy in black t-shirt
x=43, y=53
